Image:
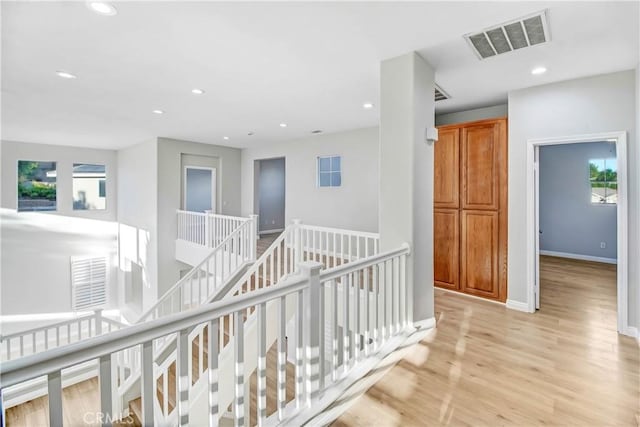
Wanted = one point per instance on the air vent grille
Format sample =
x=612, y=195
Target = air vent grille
x=440, y=95
x=527, y=31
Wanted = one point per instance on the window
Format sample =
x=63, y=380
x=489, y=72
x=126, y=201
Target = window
x=89, y=190
x=603, y=180
x=36, y=186
x=329, y=171
x=89, y=282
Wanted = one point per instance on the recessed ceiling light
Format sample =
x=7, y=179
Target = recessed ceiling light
x=65, y=75
x=102, y=8
x=226, y=138
x=283, y=125
x=538, y=70
x=197, y=91
x=158, y=112
x=367, y=105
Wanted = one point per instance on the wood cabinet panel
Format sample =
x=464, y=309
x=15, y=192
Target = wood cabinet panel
x=446, y=249
x=446, y=192
x=479, y=253
x=480, y=166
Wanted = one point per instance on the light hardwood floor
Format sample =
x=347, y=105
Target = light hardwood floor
x=486, y=365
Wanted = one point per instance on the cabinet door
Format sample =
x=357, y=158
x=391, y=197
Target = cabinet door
x=446, y=192
x=446, y=248
x=479, y=253
x=480, y=168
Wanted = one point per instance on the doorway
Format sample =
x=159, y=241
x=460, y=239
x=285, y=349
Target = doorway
x=596, y=191
x=269, y=194
x=199, y=189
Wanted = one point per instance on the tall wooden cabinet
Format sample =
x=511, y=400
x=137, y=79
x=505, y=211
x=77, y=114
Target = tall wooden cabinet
x=470, y=208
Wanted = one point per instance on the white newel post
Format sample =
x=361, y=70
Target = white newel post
x=208, y=238
x=312, y=329
x=98, y=320
x=297, y=243
x=254, y=236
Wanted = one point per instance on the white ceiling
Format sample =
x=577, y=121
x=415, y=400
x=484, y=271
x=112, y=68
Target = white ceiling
x=311, y=65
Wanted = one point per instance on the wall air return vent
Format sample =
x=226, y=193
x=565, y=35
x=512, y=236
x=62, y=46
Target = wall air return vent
x=524, y=32
x=440, y=95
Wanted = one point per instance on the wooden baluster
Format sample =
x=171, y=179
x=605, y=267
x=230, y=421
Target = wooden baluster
x=182, y=374
x=345, y=323
x=146, y=382
x=261, y=388
x=239, y=403
x=335, y=347
x=367, y=311
x=214, y=328
x=21, y=347
x=282, y=357
x=356, y=315
x=299, y=350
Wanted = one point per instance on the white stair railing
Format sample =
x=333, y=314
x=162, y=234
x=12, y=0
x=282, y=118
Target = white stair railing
x=42, y=338
x=205, y=228
x=374, y=303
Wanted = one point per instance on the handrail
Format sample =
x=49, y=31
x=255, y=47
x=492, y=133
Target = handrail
x=236, y=218
x=198, y=268
x=48, y=326
x=29, y=367
x=344, y=231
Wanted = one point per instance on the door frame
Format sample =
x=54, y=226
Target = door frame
x=214, y=183
x=622, y=207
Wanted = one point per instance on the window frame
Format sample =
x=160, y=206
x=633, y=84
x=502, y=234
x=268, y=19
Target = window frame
x=330, y=172
x=606, y=182
x=17, y=183
x=105, y=179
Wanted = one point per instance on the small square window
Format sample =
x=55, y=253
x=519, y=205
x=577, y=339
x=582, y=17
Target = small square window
x=37, y=186
x=329, y=171
x=603, y=181
x=89, y=188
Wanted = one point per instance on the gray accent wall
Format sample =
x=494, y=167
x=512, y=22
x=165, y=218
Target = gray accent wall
x=603, y=103
x=271, y=193
x=569, y=222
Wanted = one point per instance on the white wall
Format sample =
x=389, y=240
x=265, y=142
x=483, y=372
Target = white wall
x=171, y=153
x=589, y=105
x=637, y=166
x=138, y=215
x=493, y=112
x=36, y=247
x=353, y=206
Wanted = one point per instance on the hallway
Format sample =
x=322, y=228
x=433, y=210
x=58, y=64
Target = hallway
x=486, y=365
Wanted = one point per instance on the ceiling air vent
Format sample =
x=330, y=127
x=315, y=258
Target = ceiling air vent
x=524, y=32
x=440, y=94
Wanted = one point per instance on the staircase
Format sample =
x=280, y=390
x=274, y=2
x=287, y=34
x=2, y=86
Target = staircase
x=274, y=346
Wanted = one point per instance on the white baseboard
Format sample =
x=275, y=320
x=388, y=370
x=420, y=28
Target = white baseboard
x=517, y=305
x=631, y=331
x=275, y=230
x=426, y=323
x=462, y=294
x=579, y=257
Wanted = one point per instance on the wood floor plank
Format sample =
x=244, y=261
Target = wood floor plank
x=486, y=365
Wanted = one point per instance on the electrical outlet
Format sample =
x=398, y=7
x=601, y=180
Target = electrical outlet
x=603, y=245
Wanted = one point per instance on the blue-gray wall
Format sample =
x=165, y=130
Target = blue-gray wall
x=569, y=222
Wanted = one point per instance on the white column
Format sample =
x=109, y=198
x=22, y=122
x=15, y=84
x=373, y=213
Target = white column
x=406, y=172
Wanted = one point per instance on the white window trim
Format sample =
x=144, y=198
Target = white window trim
x=330, y=156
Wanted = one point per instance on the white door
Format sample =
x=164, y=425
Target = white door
x=199, y=189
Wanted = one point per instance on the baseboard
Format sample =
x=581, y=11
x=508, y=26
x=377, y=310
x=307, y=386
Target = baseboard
x=426, y=323
x=517, y=305
x=580, y=257
x=462, y=294
x=631, y=331
x=275, y=230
